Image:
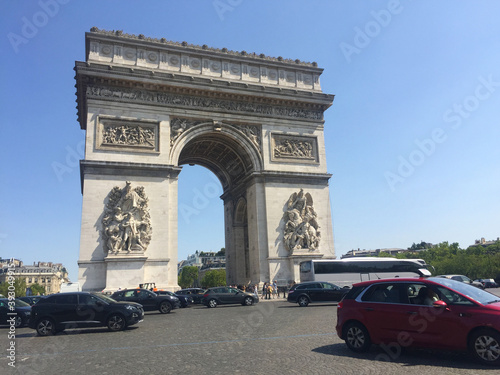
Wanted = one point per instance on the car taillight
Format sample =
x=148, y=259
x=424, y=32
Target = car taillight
x=340, y=305
x=290, y=291
x=205, y=295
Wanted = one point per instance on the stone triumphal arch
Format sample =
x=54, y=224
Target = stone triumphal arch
x=148, y=107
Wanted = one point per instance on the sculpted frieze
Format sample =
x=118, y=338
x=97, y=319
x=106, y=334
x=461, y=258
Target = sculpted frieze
x=301, y=230
x=116, y=133
x=126, y=223
x=294, y=147
x=149, y=96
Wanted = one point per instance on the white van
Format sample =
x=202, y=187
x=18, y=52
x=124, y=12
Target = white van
x=70, y=287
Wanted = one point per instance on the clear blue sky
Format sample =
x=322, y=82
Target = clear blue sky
x=412, y=137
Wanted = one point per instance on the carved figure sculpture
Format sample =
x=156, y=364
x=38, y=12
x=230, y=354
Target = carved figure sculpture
x=301, y=226
x=126, y=225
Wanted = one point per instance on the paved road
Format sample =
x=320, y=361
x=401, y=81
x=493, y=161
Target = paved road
x=272, y=337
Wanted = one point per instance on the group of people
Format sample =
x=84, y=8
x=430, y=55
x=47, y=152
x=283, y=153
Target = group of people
x=271, y=290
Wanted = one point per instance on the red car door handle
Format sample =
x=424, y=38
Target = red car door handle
x=411, y=312
x=369, y=309
x=464, y=314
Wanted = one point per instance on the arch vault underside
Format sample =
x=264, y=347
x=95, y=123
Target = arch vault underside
x=150, y=106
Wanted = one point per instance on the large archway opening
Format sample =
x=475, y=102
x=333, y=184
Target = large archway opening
x=200, y=213
x=223, y=151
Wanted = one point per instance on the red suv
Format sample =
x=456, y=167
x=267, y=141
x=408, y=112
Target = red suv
x=422, y=312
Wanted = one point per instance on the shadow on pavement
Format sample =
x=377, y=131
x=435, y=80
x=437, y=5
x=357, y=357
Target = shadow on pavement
x=407, y=357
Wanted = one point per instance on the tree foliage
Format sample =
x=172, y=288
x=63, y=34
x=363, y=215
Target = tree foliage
x=37, y=289
x=19, y=287
x=188, y=277
x=474, y=262
x=214, y=278
x=221, y=252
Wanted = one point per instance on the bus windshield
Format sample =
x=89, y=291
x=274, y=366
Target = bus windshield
x=345, y=272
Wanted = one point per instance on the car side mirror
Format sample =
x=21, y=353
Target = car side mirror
x=440, y=304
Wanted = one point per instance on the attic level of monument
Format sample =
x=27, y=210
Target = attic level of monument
x=143, y=41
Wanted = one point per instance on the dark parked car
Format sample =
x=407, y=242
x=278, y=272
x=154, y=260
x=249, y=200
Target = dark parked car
x=195, y=293
x=30, y=300
x=432, y=312
x=22, y=310
x=487, y=283
x=150, y=301
x=315, y=291
x=185, y=301
x=226, y=295
x=61, y=311
x=464, y=279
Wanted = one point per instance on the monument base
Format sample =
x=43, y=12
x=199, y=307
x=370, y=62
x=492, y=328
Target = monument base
x=124, y=271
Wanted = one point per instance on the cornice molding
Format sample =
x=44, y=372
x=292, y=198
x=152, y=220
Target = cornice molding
x=112, y=168
x=96, y=83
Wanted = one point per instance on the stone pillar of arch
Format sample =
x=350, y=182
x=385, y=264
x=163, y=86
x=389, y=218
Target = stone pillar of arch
x=148, y=107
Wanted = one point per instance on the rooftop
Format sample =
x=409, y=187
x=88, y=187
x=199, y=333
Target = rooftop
x=204, y=47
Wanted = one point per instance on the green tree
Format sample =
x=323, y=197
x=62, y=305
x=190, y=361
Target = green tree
x=19, y=287
x=37, y=289
x=221, y=252
x=214, y=278
x=188, y=276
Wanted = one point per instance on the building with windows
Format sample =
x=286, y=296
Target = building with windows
x=203, y=260
x=47, y=274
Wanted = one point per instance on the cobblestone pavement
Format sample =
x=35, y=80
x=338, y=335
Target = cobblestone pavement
x=271, y=337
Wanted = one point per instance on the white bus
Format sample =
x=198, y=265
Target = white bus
x=345, y=272
x=70, y=287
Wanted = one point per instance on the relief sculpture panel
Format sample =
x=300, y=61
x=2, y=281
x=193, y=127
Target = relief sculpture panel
x=124, y=134
x=126, y=223
x=301, y=226
x=294, y=148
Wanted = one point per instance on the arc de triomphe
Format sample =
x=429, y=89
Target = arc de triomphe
x=149, y=106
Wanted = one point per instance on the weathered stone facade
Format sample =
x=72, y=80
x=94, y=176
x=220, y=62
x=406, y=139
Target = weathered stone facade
x=150, y=106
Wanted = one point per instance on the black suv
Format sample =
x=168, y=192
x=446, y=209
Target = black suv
x=62, y=311
x=315, y=291
x=149, y=300
x=226, y=295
